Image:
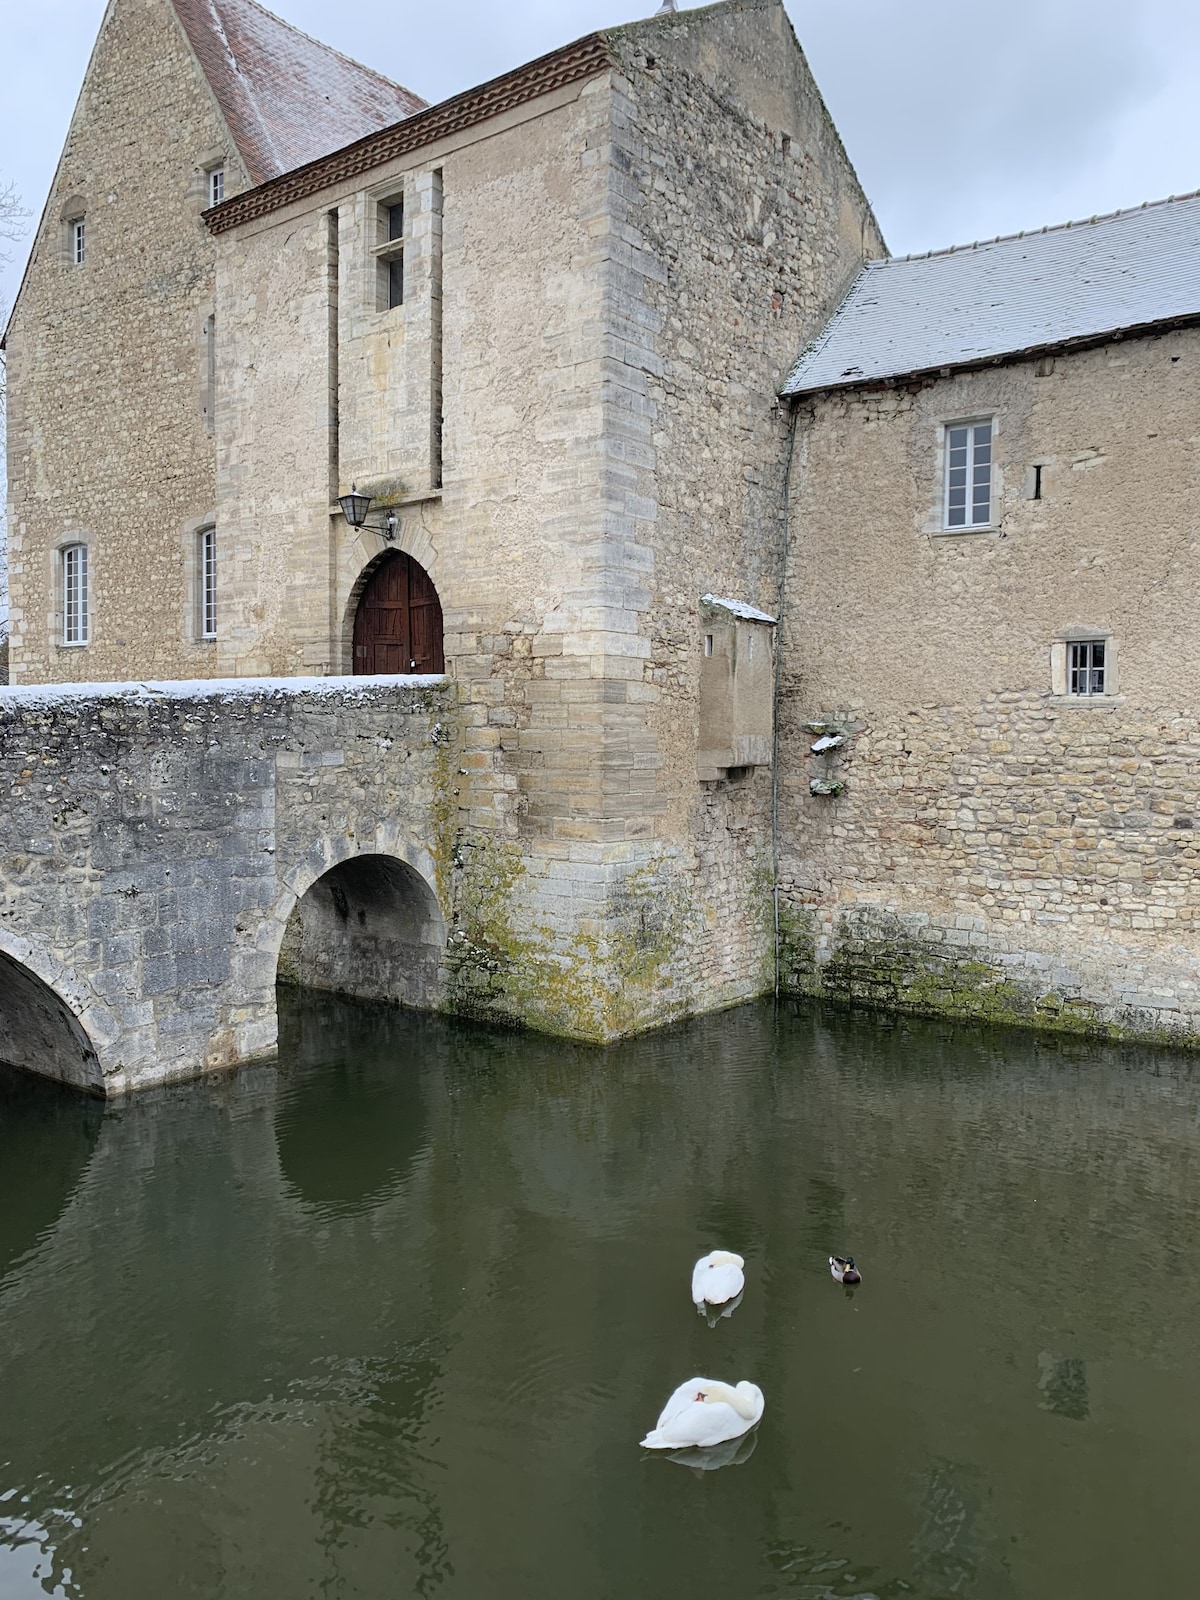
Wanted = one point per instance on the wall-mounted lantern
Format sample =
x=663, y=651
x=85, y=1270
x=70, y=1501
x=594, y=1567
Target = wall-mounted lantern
x=356, y=508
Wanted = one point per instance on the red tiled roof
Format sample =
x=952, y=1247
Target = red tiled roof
x=287, y=99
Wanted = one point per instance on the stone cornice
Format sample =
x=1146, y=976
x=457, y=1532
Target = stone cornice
x=586, y=58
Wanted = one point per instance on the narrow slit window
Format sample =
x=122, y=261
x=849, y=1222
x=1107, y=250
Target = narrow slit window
x=210, y=372
x=1086, y=667
x=77, y=239
x=395, y=292
x=207, y=561
x=1037, y=483
x=216, y=185
x=969, y=475
x=75, y=594
x=708, y=644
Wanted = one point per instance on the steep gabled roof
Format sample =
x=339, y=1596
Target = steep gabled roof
x=286, y=98
x=982, y=303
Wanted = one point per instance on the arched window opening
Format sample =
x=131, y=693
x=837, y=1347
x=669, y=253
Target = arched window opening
x=371, y=928
x=398, y=623
x=40, y=1033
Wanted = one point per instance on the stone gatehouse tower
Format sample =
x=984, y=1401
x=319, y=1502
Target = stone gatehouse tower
x=543, y=325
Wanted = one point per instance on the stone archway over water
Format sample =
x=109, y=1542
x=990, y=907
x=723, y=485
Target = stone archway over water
x=40, y=1033
x=370, y=927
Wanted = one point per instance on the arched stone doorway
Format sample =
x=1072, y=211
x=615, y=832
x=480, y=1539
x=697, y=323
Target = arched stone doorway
x=398, y=622
x=40, y=1033
x=370, y=927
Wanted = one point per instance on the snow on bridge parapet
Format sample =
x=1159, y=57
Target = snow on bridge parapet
x=156, y=837
x=346, y=688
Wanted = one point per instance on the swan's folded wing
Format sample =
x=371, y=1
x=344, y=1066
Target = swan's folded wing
x=683, y=1397
x=722, y=1283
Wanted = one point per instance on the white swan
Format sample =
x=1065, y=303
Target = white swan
x=703, y=1411
x=716, y=1278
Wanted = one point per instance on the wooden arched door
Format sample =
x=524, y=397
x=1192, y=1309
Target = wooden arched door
x=398, y=624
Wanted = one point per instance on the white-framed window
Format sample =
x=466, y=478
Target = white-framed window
x=389, y=253
x=216, y=185
x=1086, y=666
x=74, y=559
x=76, y=240
x=206, y=582
x=968, y=486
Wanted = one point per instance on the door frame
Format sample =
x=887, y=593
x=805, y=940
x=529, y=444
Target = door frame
x=420, y=550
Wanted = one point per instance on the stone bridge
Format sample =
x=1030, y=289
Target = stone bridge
x=169, y=850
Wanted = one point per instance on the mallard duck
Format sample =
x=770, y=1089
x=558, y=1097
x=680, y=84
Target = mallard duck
x=705, y=1412
x=844, y=1270
x=717, y=1278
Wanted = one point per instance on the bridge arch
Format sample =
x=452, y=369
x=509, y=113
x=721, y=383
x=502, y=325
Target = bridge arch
x=364, y=922
x=40, y=1031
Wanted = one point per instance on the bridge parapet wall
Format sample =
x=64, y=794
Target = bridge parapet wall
x=155, y=838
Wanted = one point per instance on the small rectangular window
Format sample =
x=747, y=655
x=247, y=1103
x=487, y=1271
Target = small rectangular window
x=1085, y=667
x=216, y=185
x=206, y=554
x=969, y=475
x=389, y=254
x=78, y=241
x=708, y=644
x=75, y=594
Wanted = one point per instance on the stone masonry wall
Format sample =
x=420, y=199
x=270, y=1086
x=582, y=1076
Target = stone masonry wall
x=109, y=440
x=1000, y=848
x=158, y=838
x=736, y=221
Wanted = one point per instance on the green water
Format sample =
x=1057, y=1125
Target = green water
x=391, y=1320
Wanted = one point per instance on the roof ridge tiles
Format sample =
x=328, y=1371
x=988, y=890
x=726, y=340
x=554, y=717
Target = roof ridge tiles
x=1029, y=233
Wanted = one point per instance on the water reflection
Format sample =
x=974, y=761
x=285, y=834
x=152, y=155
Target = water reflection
x=47, y=1135
x=389, y=1320
x=730, y=1453
x=1064, y=1383
x=352, y=1136
x=714, y=1314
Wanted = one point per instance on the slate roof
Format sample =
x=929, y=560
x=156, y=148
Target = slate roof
x=287, y=99
x=980, y=303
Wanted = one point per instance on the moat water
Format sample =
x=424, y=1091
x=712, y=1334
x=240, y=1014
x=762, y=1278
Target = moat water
x=391, y=1319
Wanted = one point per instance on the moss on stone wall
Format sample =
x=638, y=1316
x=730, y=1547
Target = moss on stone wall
x=902, y=963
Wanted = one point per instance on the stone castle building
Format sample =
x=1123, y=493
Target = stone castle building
x=548, y=331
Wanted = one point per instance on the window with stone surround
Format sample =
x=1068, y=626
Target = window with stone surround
x=74, y=559
x=968, y=486
x=76, y=241
x=216, y=185
x=1083, y=665
x=389, y=253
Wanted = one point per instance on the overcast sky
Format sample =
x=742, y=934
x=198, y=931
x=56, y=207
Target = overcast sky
x=964, y=120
